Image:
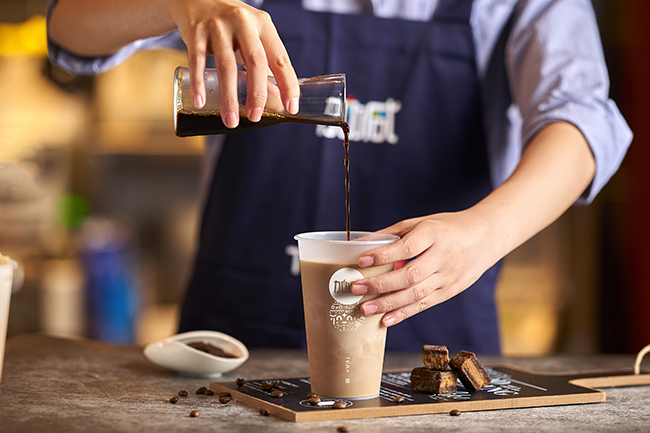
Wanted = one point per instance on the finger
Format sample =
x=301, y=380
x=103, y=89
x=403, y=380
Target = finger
x=396, y=316
x=254, y=57
x=408, y=276
x=240, y=59
x=196, y=54
x=401, y=228
x=226, y=66
x=280, y=64
x=406, y=248
x=416, y=295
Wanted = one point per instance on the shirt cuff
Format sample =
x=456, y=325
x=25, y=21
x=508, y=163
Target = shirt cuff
x=605, y=130
x=79, y=65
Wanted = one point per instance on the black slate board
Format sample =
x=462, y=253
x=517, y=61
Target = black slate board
x=510, y=388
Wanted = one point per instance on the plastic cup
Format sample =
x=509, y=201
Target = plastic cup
x=345, y=349
x=6, y=278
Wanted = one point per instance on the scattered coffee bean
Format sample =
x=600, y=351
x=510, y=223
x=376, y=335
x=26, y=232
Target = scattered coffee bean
x=277, y=393
x=266, y=387
x=182, y=393
x=240, y=381
x=173, y=400
x=311, y=394
x=195, y=413
x=265, y=412
x=225, y=399
x=339, y=405
x=274, y=384
x=314, y=400
x=342, y=429
x=201, y=390
x=224, y=394
x=399, y=399
x=209, y=392
x=454, y=412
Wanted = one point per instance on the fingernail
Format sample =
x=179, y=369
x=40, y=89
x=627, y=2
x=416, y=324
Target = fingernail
x=369, y=309
x=366, y=261
x=388, y=321
x=231, y=120
x=293, y=106
x=256, y=114
x=359, y=289
x=198, y=101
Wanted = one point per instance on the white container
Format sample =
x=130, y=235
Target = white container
x=174, y=353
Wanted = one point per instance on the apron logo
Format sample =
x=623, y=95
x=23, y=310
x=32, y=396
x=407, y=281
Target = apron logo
x=372, y=122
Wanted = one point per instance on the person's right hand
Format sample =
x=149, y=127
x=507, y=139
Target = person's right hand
x=234, y=31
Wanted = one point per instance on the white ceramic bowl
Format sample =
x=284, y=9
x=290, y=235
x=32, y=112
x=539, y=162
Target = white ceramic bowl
x=174, y=353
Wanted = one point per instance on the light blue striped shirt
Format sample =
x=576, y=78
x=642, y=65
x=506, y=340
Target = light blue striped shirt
x=551, y=58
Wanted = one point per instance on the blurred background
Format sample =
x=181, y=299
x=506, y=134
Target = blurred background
x=99, y=202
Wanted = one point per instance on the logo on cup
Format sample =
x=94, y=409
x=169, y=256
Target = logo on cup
x=341, y=283
x=346, y=318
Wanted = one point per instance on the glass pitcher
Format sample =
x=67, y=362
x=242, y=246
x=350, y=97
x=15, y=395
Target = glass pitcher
x=322, y=101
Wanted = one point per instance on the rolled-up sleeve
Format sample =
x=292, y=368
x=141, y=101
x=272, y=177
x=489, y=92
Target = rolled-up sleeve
x=79, y=65
x=557, y=72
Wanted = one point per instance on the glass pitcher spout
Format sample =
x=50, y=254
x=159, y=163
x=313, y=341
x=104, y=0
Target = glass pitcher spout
x=322, y=101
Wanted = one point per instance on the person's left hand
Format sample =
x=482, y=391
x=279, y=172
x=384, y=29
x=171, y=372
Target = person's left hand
x=449, y=252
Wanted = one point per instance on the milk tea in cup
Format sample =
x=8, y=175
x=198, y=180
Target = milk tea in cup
x=345, y=348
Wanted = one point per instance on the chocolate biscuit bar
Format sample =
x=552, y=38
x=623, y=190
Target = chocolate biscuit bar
x=470, y=370
x=435, y=357
x=432, y=381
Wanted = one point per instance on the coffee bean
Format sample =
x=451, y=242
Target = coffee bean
x=274, y=385
x=339, y=405
x=399, y=399
x=173, y=400
x=201, y=390
x=182, y=393
x=265, y=412
x=224, y=399
x=240, y=381
x=266, y=387
x=209, y=392
x=454, y=412
x=311, y=394
x=224, y=394
x=195, y=413
x=314, y=400
x=277, y=393
x=342, y=429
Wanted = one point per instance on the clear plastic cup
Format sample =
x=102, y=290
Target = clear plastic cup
x=322, y=101
x=6, y=279
x=345, y=349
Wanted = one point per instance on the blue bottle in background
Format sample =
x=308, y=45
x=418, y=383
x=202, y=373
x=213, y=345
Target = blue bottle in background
x=113, y=296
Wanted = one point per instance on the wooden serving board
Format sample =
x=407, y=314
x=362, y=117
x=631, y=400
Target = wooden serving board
x=510, y=388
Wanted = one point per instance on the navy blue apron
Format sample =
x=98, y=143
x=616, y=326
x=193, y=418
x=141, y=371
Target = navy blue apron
x=417, y=148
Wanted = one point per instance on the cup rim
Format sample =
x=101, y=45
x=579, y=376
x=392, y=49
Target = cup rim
x=319, y=236
x=12, y=263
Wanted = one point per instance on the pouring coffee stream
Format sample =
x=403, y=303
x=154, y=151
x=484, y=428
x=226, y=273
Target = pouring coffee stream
x=322, y=101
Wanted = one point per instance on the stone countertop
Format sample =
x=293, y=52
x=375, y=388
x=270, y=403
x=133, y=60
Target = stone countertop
x=62, y=385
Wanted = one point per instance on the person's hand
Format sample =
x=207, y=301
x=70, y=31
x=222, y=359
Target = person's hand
x=449, y=252
x=234, y=32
